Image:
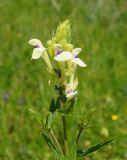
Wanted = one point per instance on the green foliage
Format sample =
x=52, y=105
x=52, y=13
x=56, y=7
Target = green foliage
x=94, y=148
x=49, y=119
x=68, y=107
x=100, y=28
x=72, y=155
x=49, y=143
x=37, y=116
x=52, y=106
x=52, y=147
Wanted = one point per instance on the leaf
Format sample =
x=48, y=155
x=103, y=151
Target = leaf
x=37, y=116
x=58, y=72
x=94, y=148
x=67, y=108
x=60, y=157
x=63, y=98
x=53, y=148
x=77, y=110
x=58, y=103
x=52, y=106
x=70, y=106
x=49, y=143
x=55, y=105
x=49, y=120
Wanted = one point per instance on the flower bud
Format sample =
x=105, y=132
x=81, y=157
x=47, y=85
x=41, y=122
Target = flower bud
x=63, y=31
x=49, y=43
x=48, y=63
x=68, y=47
x=50, y=47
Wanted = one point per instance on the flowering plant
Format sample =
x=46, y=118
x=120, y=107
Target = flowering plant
x=61, y=60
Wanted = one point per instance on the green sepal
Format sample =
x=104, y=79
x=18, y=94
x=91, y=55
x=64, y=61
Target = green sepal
x=81, y=152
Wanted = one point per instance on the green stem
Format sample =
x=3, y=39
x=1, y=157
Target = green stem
x=78, y=136
x=55, y=139
x=77, y=140
x=65, y=136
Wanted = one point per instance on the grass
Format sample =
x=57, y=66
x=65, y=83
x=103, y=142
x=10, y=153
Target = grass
x=99, y=27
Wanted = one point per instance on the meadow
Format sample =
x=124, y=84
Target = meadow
x=99, y=27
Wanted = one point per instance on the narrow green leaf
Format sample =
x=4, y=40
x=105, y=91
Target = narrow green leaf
x=37, y=116
x=58, y=103
x=53, y=148
x=60, y=157
x=49, y=120
x=63, y=98
x=94, y=148
x=52, y=106
x=70, y=106
x=49, y=143
x=55, y=105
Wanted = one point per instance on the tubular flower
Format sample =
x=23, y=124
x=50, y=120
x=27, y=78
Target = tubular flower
x=75, y=59
x=63, y=56
x=38, y=50
x=70, y=56
x=70, y=90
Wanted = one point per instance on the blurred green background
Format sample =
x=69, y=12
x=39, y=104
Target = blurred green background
x=99, y=27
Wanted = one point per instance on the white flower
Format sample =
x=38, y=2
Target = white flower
x=38, y=50
x=70, y=93
x=71, y=89
x=62, y=56
x=77, y=60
